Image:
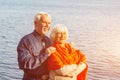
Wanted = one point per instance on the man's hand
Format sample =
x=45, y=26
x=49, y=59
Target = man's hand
x=50, y=50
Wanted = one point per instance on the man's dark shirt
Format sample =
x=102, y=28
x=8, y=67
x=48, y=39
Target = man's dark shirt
x=31, y=54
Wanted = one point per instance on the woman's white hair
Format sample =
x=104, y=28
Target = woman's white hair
x=58, y=28
x=38, y=16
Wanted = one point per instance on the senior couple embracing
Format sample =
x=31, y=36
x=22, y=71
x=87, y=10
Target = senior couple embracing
x=44, y=58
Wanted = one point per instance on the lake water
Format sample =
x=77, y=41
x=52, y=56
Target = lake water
x=94, y=27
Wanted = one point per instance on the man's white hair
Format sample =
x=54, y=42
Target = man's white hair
x=38, y=16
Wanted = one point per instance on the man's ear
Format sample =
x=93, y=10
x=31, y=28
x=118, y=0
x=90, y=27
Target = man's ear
x=35, y=23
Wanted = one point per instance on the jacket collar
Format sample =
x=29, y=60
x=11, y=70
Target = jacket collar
x=35, y=33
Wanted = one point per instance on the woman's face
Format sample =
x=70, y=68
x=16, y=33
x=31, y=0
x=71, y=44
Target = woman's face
x=60, y=37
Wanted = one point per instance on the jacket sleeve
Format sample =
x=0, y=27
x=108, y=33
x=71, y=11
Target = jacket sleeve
x=82, y=57
x=25, y=58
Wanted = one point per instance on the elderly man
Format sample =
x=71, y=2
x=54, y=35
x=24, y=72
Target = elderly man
x=33, y=49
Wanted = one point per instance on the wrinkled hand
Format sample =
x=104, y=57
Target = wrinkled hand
x=50, y=50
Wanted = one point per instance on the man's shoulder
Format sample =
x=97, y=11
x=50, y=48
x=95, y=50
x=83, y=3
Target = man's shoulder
x=26, y=37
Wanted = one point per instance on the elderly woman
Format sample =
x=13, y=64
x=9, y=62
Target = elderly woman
x=66, y=63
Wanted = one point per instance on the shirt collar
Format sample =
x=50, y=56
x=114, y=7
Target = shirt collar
x=35, y=33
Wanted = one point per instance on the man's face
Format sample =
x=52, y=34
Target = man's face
x=43, y=25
